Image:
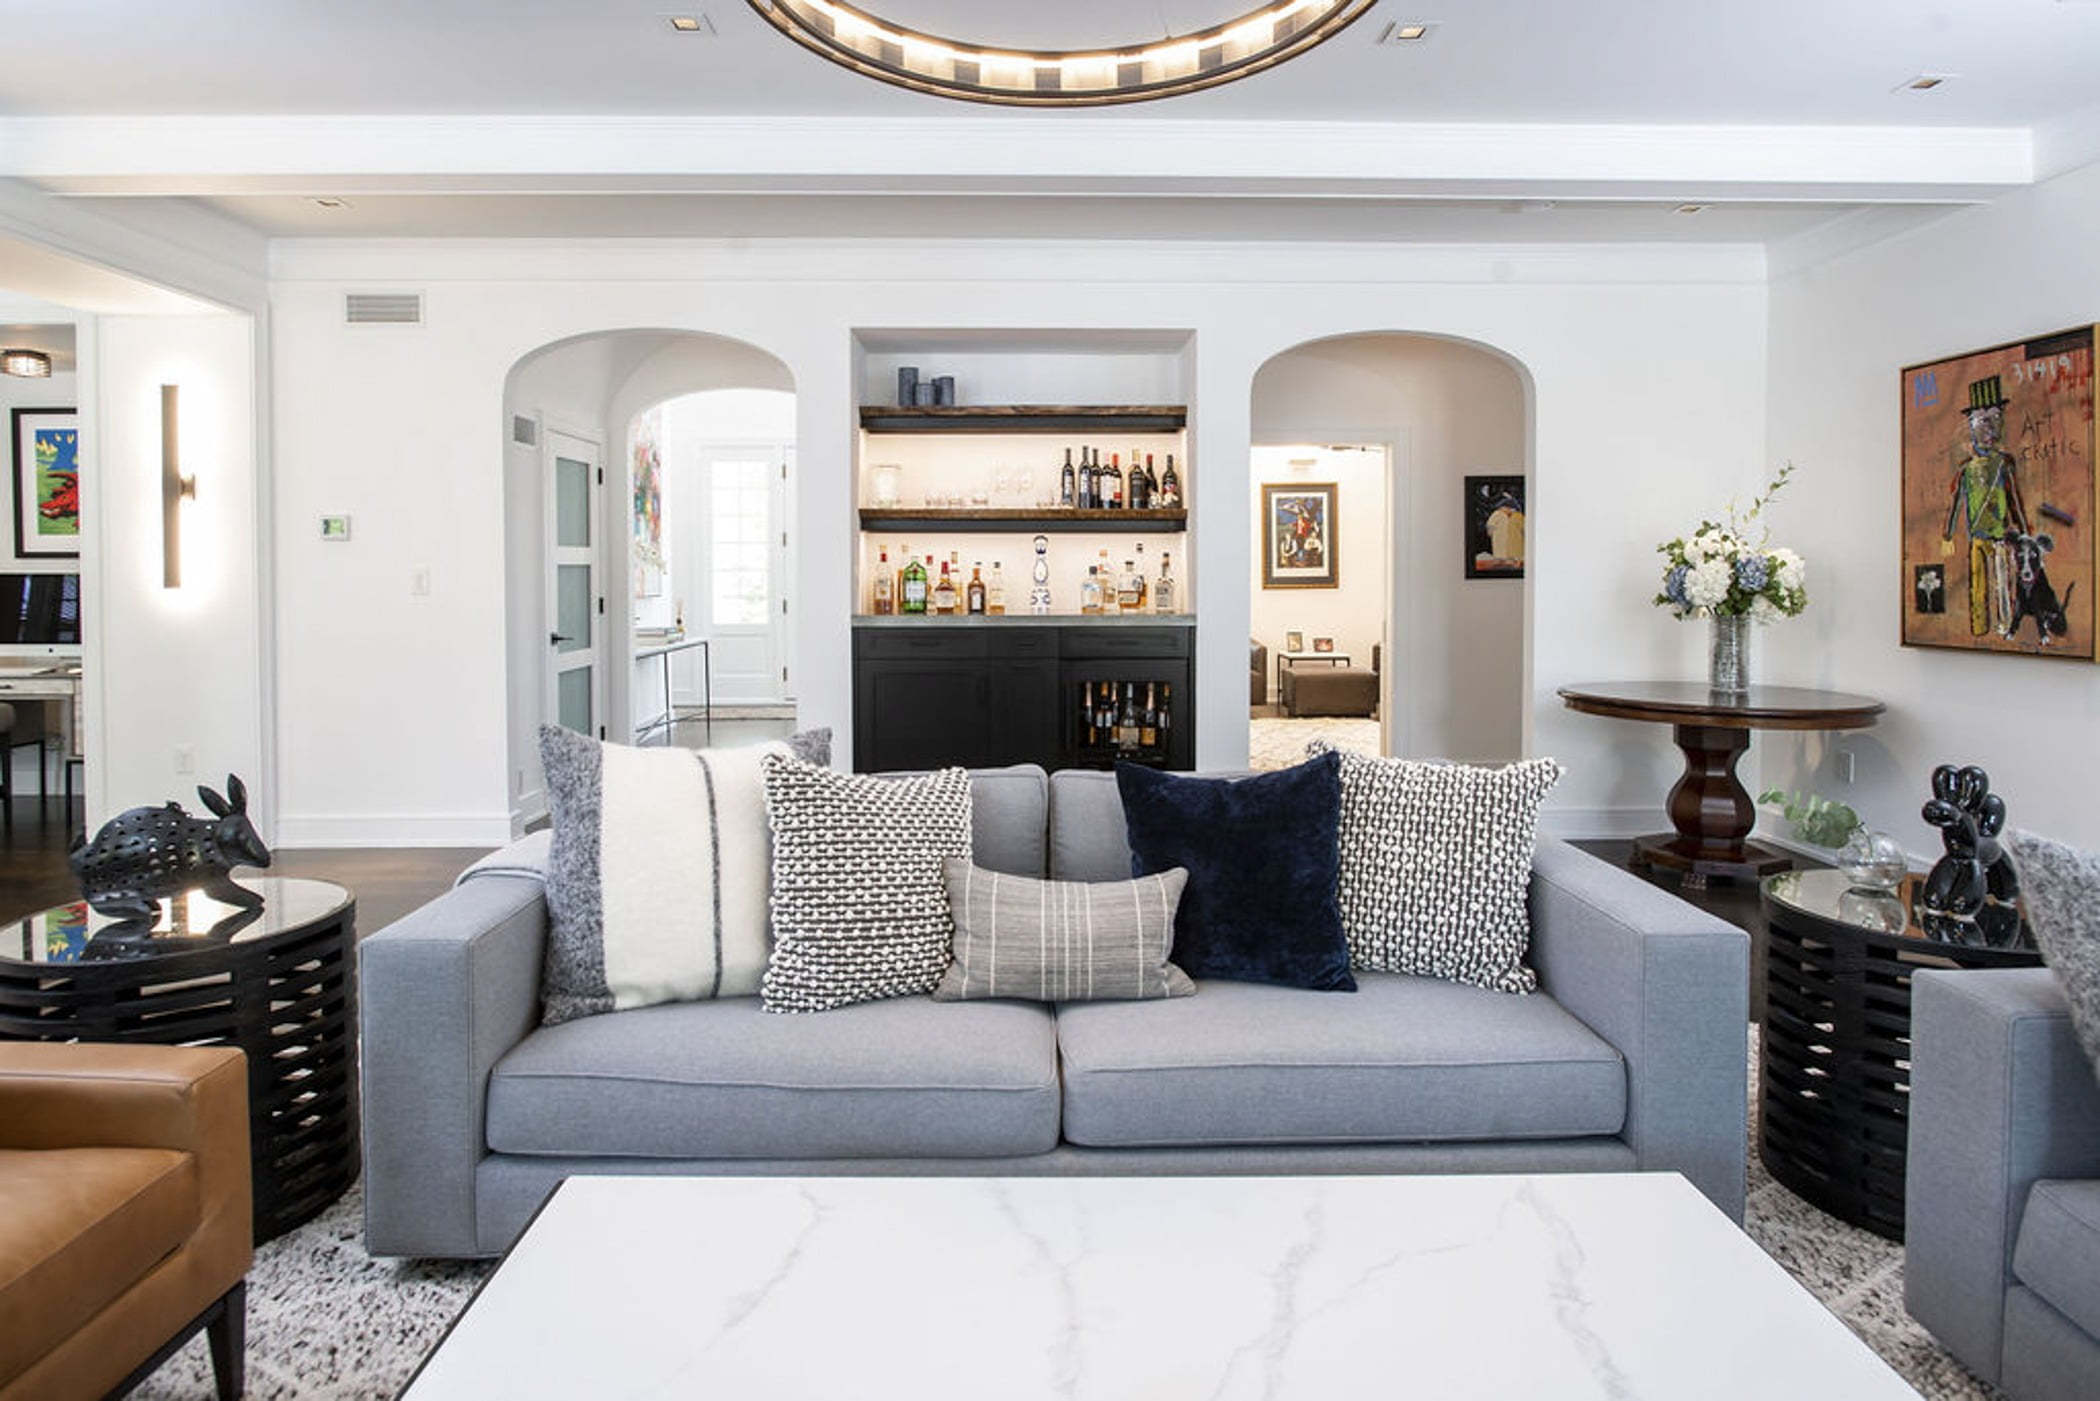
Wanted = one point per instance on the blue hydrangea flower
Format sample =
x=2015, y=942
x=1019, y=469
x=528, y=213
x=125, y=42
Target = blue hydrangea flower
x=1752, y=573
x=1673, y=584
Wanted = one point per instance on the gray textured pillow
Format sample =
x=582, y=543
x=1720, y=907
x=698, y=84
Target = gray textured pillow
x=1061, y=941
x=1436, y=866
x=656, y=872
x=2060, y=886
x=860, y=909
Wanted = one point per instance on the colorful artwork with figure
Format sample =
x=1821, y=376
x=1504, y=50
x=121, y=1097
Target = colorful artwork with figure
x=1998, y=538
x=47, y=483
x=1298, y=544
x=1494, y=527
x=648, y=550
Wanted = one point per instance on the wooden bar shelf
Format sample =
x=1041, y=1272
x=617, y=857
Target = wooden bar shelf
x=1052, y=520
x=1026, y=418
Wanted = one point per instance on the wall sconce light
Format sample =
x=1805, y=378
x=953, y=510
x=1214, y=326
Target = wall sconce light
x=25, y=364
x=173, y=488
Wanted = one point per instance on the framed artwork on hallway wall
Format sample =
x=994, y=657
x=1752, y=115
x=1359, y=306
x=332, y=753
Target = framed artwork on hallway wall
x=1998, y=538
x=47, y=483
x=1495, y=527
x=1297, y=536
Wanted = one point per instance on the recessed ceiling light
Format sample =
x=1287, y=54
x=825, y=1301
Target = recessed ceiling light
x=1403, y=33
x=329, y=202
x=691, y=24
x=28, y=364
x=1926, y=82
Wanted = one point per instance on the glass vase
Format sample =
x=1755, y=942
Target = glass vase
x=1728, y=654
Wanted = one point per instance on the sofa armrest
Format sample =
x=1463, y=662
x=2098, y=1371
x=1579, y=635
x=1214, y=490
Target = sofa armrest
x=442, y=995
x=1668, y=985
x=2001, y=1095
x=189, y=1099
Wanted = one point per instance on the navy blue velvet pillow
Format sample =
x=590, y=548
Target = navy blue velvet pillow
x=1263, y=863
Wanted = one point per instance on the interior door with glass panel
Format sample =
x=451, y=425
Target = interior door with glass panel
x=575, y=675
x=745, y=617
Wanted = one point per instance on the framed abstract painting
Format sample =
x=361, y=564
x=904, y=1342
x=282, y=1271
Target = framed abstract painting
x=1998, y=537
x=1297, y=536
x=47, y=483
x=1495, y=527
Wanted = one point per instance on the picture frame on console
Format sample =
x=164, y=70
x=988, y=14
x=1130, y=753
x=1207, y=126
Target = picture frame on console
x=47, y=483
x=1999, y=540
x=1297, y=536
x=1294, y=642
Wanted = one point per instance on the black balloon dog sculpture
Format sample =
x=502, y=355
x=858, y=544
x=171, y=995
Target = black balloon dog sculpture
x=146, y=853
x=1971, y=894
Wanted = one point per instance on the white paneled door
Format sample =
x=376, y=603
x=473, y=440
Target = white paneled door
x=575, y=606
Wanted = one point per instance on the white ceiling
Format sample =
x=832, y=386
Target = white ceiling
x=1515, y=120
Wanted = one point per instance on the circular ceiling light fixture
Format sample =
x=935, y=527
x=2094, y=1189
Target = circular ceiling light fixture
x=875, y=48
x=28, y=364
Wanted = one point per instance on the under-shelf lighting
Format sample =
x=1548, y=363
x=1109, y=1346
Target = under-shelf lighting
x=876, y=48
x=173, y=488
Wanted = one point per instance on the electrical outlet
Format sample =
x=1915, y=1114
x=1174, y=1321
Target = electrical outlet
x=185, y=759
x=419, y=583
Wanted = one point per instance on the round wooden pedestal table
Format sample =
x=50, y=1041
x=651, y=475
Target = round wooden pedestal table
x=279, y=981
x=1708, y=806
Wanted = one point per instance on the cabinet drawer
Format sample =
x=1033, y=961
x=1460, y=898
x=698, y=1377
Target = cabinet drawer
x=1126, y=642
x=933, y=643
x=1024, y=642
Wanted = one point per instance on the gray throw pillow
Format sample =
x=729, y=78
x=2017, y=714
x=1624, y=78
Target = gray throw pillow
x=2060, y=886
x=657, y=872
x=1436, y=866
x=1061, y=941
x=860, y=908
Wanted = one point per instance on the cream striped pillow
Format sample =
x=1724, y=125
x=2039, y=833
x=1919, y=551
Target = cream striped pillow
x=1061, y=941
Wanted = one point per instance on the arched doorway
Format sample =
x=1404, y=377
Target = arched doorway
x=575, y=541
x=1452, y=642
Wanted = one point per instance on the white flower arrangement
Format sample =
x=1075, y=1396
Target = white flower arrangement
x=1720, y=571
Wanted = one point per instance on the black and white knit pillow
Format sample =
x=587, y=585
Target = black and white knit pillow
x=1436, y=866
x=860, y=907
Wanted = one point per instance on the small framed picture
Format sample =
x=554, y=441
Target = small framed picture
x=335, y=528
x=1294, y=642
x=1323, y=644
x=47, y=483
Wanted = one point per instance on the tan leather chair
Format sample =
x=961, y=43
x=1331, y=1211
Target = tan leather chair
x=128, y=1225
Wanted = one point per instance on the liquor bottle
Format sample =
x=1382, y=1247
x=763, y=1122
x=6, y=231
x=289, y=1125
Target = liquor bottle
x=1067, y=483
x=1148, y=719
x=1113, y=497
x=1111, y=596
x=885, y=588
x=1039, y=587
x=1163, y=590
x=995, y=591
x=1090, y=591
x=974, y=593
x=912, y=597
x=1170, y=485
x=1144, y=584
x=944, y=592
x=1127, y=588
x=1086, y=481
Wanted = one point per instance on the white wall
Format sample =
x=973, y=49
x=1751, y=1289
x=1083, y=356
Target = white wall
x=1841, y=331
x=1448, y=410
x=1647, y=367
x=181, y=669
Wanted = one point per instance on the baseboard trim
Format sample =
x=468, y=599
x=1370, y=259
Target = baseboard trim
x=394, y=830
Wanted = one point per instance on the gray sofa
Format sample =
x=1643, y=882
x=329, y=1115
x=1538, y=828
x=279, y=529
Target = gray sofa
x=1632, y=1057
x=2002, y=1193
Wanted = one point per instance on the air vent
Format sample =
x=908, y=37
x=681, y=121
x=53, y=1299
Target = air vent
x=524, y=431
x=383, y=308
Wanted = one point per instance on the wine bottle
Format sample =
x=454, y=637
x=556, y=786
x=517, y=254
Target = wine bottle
x=1086, y=481
x=885, y=601
x=912, y=598
x=1113, y=497
x=973, y=595
x=1068, y=483
x=1128, y=730
x=1170, y=485
x=1148, y=719
x=995, y=591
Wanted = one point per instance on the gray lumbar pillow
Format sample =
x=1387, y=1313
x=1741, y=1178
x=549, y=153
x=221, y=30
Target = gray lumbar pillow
x=2060, y=885
x=658, y=872
x=1061, y=941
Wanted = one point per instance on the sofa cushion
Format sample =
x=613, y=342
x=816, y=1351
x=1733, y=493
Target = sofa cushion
x=860, y=909
x=2060, y=886
x=1260, y=853
x=83, y=1225
x=2057, y=1254
x=1041, y=940
x=1405, y=1060
x=901, y=1077
x=1010, y=819
x=1436, y=866
x=656, y=873
x=1088, y=838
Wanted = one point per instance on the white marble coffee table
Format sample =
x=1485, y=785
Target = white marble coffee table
x=1609, y=1286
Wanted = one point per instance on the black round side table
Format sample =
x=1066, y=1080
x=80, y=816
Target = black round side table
x=279, y=982
x=1834, y=1107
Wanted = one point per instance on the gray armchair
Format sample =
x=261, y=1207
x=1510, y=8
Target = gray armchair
x=1257, y=673
x=2002, y=1215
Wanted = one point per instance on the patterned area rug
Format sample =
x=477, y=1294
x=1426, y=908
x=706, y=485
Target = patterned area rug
x=1277, y=742
x=326, y=1320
